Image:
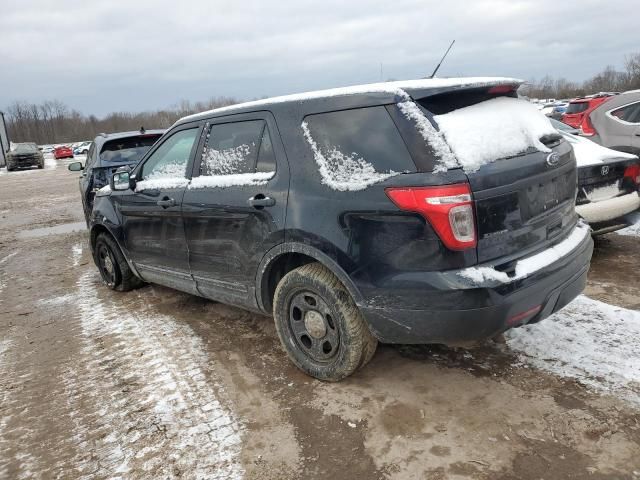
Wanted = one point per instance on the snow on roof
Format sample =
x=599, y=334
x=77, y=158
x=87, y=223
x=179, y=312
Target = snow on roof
x=392, y=88
x=497, y=128
x=590, y=153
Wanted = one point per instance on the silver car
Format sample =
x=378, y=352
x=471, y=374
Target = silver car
x=616, y=123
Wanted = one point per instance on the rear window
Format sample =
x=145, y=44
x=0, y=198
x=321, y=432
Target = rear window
x=362, y=134
x=128, y=149
x=577, y=107
x=628, y=113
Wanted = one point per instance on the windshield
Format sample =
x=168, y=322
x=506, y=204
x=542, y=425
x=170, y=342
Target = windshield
x=26, y=148
x=128, y=149
x=577, y=107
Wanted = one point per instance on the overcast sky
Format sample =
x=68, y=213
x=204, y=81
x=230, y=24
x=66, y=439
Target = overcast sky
x=147, y=54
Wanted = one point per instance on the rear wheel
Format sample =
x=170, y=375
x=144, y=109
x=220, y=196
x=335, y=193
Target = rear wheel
x=319, y=325
x=113, y=267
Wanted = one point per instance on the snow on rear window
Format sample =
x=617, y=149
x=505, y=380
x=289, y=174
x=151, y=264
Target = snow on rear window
x=431, y=136
x=496, y=128
x=343, y=171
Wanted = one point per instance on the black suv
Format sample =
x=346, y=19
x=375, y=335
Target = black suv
x=107, y=153
x=342, y=214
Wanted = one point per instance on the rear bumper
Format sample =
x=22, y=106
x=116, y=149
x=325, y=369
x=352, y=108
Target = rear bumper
x=455, y=315
x=605, y=211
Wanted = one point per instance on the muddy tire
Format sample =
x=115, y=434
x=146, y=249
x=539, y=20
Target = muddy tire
x=113, y=267
x=319, y=325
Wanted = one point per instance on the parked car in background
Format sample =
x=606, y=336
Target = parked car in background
x=426, y=211
x=62, y=152
x=24, y=155
x=608, y=183
x=82, y=148
x=616, y=123
x=580, y=107
x=106, y=154
x=46, y=148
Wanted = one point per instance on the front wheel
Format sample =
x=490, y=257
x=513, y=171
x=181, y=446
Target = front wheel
x=319, y=325
x=113, y=267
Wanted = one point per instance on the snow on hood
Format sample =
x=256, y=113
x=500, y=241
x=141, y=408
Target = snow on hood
x=590, y=153
x=496, y=128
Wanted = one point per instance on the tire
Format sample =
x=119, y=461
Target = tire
x=113, y=267
x=319, y=325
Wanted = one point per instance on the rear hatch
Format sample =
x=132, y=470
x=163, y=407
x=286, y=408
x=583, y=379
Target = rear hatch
x=524, y=201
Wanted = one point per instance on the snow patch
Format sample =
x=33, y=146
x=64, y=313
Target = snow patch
x=431, y=136
x=634, y=229
x=223, y=181
x=604, y=193
x=596, y=343
x=529, y=265
x=609, y=209
x=227, y=161
x=341, y=171
x=494, y=129
x=589, y=153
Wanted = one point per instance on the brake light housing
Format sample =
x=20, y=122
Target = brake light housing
x=447, y=208
x=588, y=130
x=633, y=172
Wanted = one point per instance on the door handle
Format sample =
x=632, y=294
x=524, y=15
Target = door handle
x=166, y=202
x=260, y=201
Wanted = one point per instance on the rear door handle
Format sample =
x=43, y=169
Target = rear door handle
x=166, y=202
x=260, y=201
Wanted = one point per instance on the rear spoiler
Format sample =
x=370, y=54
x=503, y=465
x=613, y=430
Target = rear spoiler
x=492, y=88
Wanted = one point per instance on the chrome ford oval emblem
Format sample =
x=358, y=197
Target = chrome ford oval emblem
x=553, y=159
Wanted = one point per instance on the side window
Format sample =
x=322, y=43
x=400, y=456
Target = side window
x=361, y=135
x=171, y=158
x=236, y=148
x=629, y=113
x=90, y=158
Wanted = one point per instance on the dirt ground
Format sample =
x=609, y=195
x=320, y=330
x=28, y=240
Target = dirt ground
x=159, y=384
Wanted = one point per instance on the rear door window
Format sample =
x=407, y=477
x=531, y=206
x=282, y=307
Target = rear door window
x=577, y=107
x=628, y=113
x=366, y=134
x=232, y=148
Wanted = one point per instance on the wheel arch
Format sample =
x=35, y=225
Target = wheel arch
x=99, y=228
x=283, y=258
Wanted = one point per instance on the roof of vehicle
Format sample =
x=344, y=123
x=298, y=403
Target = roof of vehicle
x=105, y=137
x=620, y=100
x=384, y=91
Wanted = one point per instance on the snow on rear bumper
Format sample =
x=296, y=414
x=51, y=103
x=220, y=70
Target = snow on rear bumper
x=604, y=210
x=486, y=276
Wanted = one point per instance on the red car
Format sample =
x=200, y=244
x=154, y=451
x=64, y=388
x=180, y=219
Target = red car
x=580, y=108
x=62, y=152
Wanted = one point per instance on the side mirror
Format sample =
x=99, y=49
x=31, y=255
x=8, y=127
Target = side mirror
x=75, y=167
x=121, y=181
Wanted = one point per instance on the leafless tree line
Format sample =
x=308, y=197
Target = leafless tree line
x=608, y=80
x=54, y=122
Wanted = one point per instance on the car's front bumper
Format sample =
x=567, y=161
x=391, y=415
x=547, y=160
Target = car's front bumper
x=455, y=315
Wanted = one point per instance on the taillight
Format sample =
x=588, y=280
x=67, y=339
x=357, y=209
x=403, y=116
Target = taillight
x=587, y=127
x=633, y=172
x=448, y=208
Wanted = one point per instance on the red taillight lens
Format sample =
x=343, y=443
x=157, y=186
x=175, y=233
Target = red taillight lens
x=587, y=127
x=449, y=210
x=633, y=172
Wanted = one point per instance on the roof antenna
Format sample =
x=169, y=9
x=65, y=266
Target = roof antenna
x=441, y=60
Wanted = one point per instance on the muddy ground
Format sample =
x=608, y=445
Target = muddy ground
x=159, y=384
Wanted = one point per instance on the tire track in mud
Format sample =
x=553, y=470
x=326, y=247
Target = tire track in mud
x=137, y=399
x=145, y=378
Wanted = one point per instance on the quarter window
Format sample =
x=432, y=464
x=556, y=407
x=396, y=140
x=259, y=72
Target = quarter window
x=366, y=134
x=171, y=158
x=629, y=113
